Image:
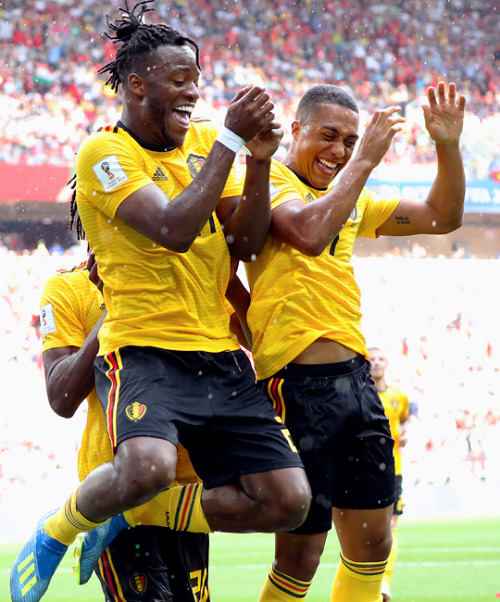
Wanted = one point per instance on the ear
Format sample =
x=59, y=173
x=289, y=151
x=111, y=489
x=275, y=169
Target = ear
x=296, y=127
x=136, y=84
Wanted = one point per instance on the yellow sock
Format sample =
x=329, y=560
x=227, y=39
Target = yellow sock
x=279, y=586
x=391, y=561
x=65, y=525
x=178, y=508
x=358, y=581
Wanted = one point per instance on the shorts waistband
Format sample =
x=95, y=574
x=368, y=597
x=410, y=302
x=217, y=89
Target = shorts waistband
x=322, y=370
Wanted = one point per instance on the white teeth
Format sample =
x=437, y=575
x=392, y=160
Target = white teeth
x=186, y=109
x=328, y=164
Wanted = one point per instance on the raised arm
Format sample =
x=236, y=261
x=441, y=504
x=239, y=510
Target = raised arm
x=311, y=227
x=442, y=210
x=247, y=219
x=176, y=223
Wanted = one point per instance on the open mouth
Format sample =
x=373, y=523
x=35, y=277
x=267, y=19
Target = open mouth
x=327, y=166
x=183, y=115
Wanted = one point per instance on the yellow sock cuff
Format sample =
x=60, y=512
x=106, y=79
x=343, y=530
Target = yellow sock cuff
x=363, y=570
x=294, y=589
x=178, y=508
x=65, y=525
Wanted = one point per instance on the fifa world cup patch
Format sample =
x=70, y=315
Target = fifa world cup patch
x=138, y=583
x=110, y=173
x=47, y=320
x=135, y=411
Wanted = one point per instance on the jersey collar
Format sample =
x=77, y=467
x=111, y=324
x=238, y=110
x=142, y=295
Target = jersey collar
x=152, y=147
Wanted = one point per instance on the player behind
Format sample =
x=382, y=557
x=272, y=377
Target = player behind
x=396, y=409
x=304, y=316
x=162, y=208
x=146, y=561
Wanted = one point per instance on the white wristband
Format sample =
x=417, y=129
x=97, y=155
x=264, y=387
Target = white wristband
x=230, y=139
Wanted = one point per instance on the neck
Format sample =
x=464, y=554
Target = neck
x=380, y=384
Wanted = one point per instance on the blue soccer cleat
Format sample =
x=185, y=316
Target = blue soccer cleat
x=32, y=570
x=90, y=546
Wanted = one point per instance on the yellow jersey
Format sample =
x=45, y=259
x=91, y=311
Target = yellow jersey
x=154, y=297
x=70, y=307
x=396, y=408
x=296, y=299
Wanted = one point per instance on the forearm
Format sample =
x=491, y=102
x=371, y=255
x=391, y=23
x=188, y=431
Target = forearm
x=186, y=215
x=319, y=222
x=71, y=379
x=447, y=194
x=176, y=223
x=248, y=226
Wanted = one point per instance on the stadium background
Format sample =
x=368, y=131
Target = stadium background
x=430, y=302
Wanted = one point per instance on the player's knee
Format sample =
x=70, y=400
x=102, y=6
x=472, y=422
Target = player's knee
x=290, y=504
x=146, y=472
x=376, y=544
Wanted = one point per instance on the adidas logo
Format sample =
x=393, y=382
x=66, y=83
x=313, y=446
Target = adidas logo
x=26, y=576
x=159, y=176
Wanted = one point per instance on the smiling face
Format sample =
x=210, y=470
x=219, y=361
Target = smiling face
x=323, y=143
x=164, y=95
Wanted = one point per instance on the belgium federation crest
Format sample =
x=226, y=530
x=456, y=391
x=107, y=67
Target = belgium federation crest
x=138, y=583
x=195, y=163
x=135, y=411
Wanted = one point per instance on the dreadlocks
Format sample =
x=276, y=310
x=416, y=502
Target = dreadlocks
x=74, y=218
x=138, y=38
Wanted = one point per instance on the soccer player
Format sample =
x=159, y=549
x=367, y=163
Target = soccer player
x=147, y=561
x=396, y=409
x=304, y=316
x=162, y=209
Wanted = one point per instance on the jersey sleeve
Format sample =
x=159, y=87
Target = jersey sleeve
x=61, y=316
x=108, y=171
x=377, y=212
x=282, y=189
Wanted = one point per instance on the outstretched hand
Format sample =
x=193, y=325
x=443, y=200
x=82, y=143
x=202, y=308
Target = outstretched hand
x=444, y=116
x=383, y=125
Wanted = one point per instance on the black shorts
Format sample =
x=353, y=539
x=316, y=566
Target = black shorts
x=398, y=495
x=207, y=401
x=337, y=421
x=154, y=564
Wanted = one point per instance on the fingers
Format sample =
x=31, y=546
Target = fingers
x=250, y=112
x=387, y=118
x=274, y=127
x=442, y=99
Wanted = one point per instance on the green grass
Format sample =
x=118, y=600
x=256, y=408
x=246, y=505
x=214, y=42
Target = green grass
x=438, y=561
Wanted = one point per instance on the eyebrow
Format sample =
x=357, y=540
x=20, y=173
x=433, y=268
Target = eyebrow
x=335, y=131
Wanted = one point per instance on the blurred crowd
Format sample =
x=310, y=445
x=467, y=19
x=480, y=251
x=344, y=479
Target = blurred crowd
x=435, y=318
x=384, y=52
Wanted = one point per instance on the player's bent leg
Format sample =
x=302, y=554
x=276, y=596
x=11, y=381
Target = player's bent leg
x=266, y=502
x=296, y=560
x=35, y=565
x=142, y=468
